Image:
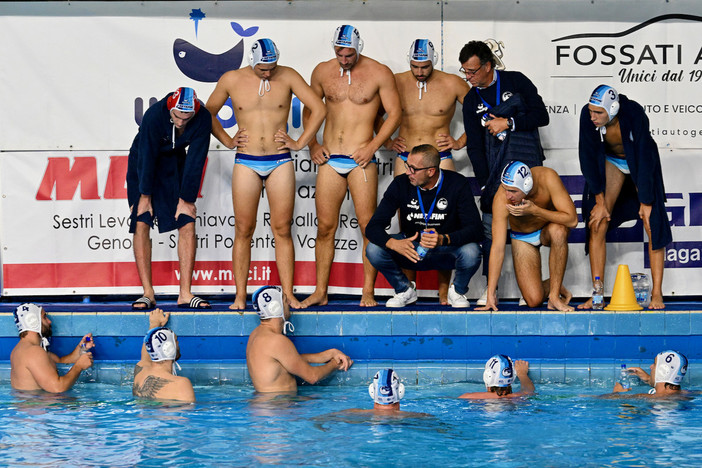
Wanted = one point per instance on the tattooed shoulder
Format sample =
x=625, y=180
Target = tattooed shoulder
x=150, y=387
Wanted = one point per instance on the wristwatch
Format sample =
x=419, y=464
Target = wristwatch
x=510, y=124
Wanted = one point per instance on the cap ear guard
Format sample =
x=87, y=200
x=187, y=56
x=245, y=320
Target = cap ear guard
x=386, y=388
x=347, y=36
x=518, y=175
x=671, y=367
x=161, y=344
x=268, y=302
x=499, y=371
x=422, y=50
x=28, y=318
x=606, y=97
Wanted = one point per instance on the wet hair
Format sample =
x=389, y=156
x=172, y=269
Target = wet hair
x=480, y=50
x=430, y=155
x=501, y=391
x=670, y=386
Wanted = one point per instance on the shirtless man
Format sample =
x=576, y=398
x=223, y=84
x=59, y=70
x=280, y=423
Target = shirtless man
x=261, y=95
x=536, y=208
x=499, y=376
x=428, y=98
x=271, y=357
x=386, y=390
x=33, y=367
x=154, y=376
x=354, y=87
x=667, y=373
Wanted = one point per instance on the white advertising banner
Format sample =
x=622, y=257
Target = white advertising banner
x=79, y=77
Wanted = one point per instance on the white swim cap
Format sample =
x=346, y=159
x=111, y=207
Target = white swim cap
x=28, y=318
x=518, y=175
x=607, y=98
x=386, y=388
x=422, y=50
x=671, y=367
x=263, y=51
x=268, y=302
x=161, y=344
x=499, y=371
x=348, y=37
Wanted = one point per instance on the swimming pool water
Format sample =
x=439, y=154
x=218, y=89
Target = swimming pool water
x=563, y=425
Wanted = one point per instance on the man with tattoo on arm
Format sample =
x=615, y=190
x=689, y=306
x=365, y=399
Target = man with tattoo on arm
x=154, y=376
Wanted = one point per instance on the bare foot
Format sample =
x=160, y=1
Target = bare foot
x=294, y=303
x=557, y=304
x=656, y=302
x=239, y=303
x=443, y=291
x=566, y=295
x=368, y=300
x=587, y=305
x=316, y=298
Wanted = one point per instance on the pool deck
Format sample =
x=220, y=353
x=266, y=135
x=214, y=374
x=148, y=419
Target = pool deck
x=434, y=343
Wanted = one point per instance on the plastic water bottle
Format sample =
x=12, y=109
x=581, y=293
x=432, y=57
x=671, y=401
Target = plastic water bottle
x=486, y=118
x=597, y=294
x=421, y=251
x=624, y=377
x=83, y=349
x=87, y=372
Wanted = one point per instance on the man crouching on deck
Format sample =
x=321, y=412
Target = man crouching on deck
x=272, y=359
x=154, y=376
x=32, y=366
x=537, y=209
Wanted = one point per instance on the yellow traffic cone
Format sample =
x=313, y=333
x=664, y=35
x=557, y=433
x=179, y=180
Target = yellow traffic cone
x=623, y=296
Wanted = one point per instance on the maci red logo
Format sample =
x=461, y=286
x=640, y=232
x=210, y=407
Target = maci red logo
x=66, y=178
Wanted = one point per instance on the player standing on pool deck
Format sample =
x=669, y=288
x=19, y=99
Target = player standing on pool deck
x=163, y=182
x=623, y=181
x=355, y=88
x=261, y=97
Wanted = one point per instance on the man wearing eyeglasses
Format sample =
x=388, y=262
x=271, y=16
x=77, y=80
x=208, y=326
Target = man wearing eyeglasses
x=429, y=98
x=501, y=115
x=438, y=214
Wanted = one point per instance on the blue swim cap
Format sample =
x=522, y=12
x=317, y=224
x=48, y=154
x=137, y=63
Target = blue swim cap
x=606, y=97
x=671, y=367
x=422, y=50
x=499, y=371
x=347, y=36
x=386, y=387
x=263, y=51
x=518, y=175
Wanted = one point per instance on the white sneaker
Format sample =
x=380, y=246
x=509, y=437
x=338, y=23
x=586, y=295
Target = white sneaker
x=522, y=302
x=457, y=300
x=404, y=298
x=483, y=298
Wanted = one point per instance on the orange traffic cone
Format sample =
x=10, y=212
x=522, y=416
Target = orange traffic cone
x=623, y=296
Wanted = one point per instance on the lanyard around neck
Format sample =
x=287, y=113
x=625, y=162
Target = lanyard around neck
x=426, y=215
x=497, y=97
